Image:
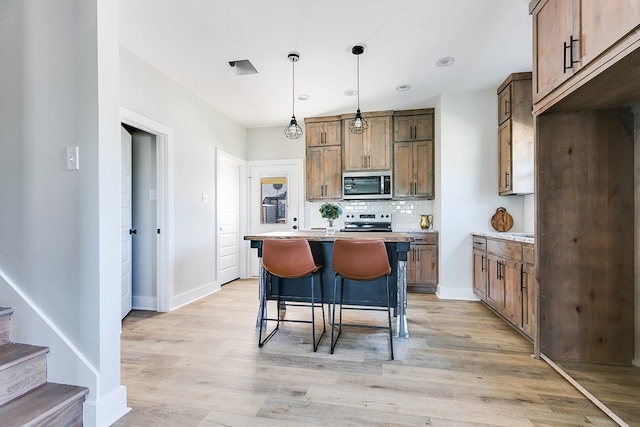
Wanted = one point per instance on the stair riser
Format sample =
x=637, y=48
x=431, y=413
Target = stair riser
x=70, y=416
x=25, y=376
x=5, y=328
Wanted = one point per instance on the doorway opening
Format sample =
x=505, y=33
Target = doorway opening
x=156, y=149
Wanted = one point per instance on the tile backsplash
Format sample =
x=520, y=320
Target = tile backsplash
x=405, y=214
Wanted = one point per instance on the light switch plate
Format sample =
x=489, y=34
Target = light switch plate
x=73, y=161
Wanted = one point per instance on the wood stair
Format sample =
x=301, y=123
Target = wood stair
x=26, y=397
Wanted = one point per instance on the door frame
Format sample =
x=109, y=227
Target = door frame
x=299, y=164
x=164, y=182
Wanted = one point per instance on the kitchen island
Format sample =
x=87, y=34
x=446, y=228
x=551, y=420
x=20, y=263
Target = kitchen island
x=358, y=293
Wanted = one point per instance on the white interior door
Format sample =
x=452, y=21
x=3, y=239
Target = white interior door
x=275, y=194
x=228, y=216
x=125, y=226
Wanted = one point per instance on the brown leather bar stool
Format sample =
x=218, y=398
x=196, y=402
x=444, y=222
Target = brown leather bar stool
x=363, y=261
x=289, y=259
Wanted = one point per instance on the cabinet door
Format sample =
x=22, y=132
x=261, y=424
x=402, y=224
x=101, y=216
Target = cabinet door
x=495, y=282
x=423, y=127
x=378, y=143
x=402, y=128
x=603, y=23
x=314, y=134
x=553, y=25
x=403, y=169
x=505, y=175
x=423, y=167
x=427, y=264
x=333, y=132
x=332, y=172
x=412, y=266
x=512, y=273
x=504, y=104
x=529, y=300
x=324, y=173
x=480, y=273
x=354, y=150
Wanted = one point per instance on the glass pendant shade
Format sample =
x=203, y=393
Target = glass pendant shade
x=293, y=130
x=358, y=124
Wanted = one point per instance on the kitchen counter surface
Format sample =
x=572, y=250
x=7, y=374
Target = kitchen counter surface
x=321, y=236
x=514, y=237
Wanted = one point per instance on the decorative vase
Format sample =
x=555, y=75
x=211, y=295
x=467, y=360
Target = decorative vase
x=426, y=221
x=331, y=229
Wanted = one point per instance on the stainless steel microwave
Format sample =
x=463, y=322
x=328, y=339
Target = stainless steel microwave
x=366, y=185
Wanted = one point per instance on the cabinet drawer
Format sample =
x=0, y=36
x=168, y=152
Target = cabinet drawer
x=479, y=243
x=507, y=249
x=527, y=254
x=424, y=238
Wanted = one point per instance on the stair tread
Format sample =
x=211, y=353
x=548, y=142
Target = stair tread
x=13, y=353
x=5, y=310
x=40, y=403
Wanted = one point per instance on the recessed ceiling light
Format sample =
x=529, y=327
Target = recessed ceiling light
x=351, y=92
x=303, y=97
x=403, y=88
x=446, y=61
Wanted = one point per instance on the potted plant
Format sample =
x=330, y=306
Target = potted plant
x=331, y=212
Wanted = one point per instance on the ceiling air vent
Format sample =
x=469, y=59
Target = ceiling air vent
x=242, y=67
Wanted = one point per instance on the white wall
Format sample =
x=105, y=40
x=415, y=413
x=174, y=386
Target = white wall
x=59, y=252
x=198, y=131
x=271, y=144
x=467, y=184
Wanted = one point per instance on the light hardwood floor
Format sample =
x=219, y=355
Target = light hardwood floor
x=200, y=365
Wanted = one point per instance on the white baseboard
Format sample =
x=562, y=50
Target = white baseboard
x=144, y=303
x=464, y=294
x=106, y=412
x=191, y=296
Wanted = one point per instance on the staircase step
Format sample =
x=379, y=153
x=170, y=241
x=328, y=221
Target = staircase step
x=50, y=404
x=22, y=367
x=5, y=324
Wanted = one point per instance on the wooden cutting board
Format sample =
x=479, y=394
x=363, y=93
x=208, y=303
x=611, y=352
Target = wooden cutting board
x=502, y=220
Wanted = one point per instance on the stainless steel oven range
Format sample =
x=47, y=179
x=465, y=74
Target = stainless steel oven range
x=368, y=221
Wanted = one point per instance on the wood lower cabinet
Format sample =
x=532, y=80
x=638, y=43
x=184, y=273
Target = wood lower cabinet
x=480, y=267
x=324, y=173
x=370, y=150
x=505, y=282
x=422, y=263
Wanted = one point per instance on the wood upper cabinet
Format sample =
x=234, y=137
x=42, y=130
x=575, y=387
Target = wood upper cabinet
x=370, y=150
x=515, y=135
x=571, y=35
x=413, y=125
x=413, y=154
x=324, y=173
x=422, y=263
x=413, y=170
x=322, y=131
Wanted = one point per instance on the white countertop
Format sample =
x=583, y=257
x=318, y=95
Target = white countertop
x=514, y=237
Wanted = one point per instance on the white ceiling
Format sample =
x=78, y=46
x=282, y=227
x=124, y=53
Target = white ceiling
x=192, y=42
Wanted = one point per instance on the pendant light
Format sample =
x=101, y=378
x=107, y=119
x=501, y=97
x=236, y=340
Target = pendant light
x=358, y=124
x=293, y=130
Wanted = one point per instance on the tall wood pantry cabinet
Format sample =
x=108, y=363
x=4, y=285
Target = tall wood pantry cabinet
x=323, y=137
x=413, y=154
x=515, y=135
x=586, y=89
